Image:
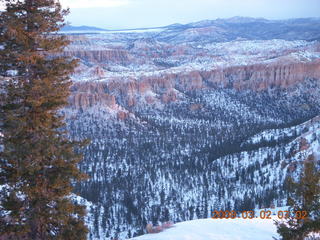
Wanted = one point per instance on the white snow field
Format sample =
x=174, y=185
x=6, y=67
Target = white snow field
x=218, y=229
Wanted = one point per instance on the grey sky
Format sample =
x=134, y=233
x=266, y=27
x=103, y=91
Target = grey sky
x=147, y=13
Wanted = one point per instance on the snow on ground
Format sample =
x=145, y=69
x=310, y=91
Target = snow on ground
x=218, y=229
x=205, y=58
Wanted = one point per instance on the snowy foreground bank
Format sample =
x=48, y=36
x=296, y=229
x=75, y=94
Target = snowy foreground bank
x=218, y=229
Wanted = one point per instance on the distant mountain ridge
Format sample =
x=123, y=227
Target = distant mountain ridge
x=221, y=30
x=202, y=23
x=81, y=28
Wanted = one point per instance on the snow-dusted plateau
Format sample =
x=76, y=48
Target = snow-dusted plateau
x=187, y=119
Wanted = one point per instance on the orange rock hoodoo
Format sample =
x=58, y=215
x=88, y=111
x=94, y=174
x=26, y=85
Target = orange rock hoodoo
x=256, y=77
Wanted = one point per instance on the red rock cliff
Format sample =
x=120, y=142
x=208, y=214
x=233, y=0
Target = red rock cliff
x=128, y=91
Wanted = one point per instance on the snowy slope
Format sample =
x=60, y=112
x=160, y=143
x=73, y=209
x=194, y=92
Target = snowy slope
x=145, y=56
x=218, y=229
x=172, y=139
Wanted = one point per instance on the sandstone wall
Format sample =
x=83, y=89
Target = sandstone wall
x=126, y=92
x=100, y=56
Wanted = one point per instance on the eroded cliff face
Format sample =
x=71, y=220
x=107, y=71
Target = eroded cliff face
x=128, y=74
x=122, y=75
x=87, y=95
x=166, y=88
x=261, y=77
x=100, y=55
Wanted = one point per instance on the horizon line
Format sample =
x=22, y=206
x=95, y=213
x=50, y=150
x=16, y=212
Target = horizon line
x=177, y=23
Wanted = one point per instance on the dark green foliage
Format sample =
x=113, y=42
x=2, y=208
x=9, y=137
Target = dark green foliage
x=305, y=196
x=38, y=162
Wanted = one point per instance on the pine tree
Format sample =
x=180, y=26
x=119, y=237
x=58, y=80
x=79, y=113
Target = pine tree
x=38, y=162
x=305, y=196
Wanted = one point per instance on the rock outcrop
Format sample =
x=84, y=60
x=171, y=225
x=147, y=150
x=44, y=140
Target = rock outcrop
x=100, y=56
x=86, y=95
x=164, y=88
x=260, y=77
x=146, y=71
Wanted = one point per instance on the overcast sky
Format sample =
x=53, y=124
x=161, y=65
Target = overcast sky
x=148, y=13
